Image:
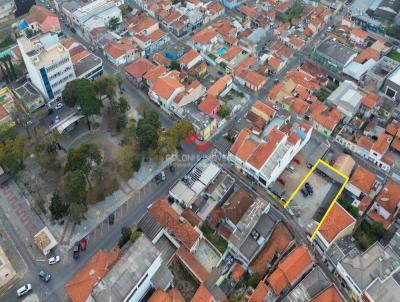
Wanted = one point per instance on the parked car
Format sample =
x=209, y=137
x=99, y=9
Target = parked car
x=281, y=181
x=276, y=81
x=83, y=244
x=163, y=175
x=347, y=151
x=304, y=192
x=58, y=106
x=22, y=291
x=44, y=276
x=54, y=260
x=290, y=168
x=309, y=188
x=220, y=72
x=57, y=119
x=172, y=168
x=111, y=219
x=76, y=250
x=73, y=30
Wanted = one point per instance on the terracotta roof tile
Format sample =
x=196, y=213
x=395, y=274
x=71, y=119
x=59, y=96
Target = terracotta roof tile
x=328, y=118
x=219, y=85
x=139, y=68
x=337, y=220
x=259, y=293
x=251, y=77
x=366, y=54
x=365, y=142
x=331, y=294
x=370, y=100
x=381, y=145
x=192, y=264
x=274, y=62
x=209, y=104
x=290, y=269
x=118, y=49
x=264, y=108
x=279, y=242
x=192, y=217
x=189, y=57
x=363, y=179
x=232, y=53
x=359, y=33
x=169, y=219
x=239, y=140
x=237, y=204
x=81, y=284
x=202, y=294
x=166, y=86
x=153, y=74
x=204, y=36
x=238, y=272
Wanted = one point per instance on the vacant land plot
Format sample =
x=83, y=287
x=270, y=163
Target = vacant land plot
x=183, y=281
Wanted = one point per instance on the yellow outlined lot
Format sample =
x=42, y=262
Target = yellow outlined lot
x=320, y=161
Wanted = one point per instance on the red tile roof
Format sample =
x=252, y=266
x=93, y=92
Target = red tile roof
x=381, y=145
x=331, y=294
x=366, y=54
x=192, y=264
x=166, y=86
x=359, y=33
x=204, y=36
x=370, y=100
x=251, y=77
x=169, y=219
x=192, y=217
x=80, y=286
x=202, y=294
x=295, y=265
x=337, y=220
x=189, y=57
x=237, y=272
x=237, y=204
x=328, y=118
x=365, y=142
x=264, y=108
x=173, y=295
x=279, y=242
x=209, y=105
x=118, y=49
x=152, y=75
x=259, y=293
x=219, y=85
x=139, y=68
x=363, y=179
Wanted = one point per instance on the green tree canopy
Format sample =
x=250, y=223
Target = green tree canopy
x=179, y=131
x=58, y=208
x=106, y=85
x=148, y=130
x=83, y=158
x=12, y=154
x=123, y=105
x=77, y=212
x=127, y=160
x=113, y=23
x=75, y=187
x=224, y=111
x=7, y=131
x=81, y=92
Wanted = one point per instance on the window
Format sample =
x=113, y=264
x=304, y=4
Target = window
x=390, y=92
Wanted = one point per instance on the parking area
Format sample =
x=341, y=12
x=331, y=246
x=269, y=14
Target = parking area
x=308, y=208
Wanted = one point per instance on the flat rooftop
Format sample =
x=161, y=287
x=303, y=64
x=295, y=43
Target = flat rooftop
x=87, y=64
x=336, y=51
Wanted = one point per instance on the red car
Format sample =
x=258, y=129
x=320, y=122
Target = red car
x=83, y=244
x=281, y=181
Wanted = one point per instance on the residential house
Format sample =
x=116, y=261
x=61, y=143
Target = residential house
x=373, y=268
x=121, y=52
x=333, y=55
x=250, y=79
x=330, y=294
x=215, y=9
x=290, y=270
x=263, y=110
x=265, y=159
x=231, y=4
x=386, y=205
x=337, y=224
x=40, y=19
x=193, y=92
x=210, y=105
x=221, y=86
x=205, y=39
x=324, y=119
x=136, y=70
x=150, y=43
x=358, y=36
x=275, y=64
x=391, y=86
x=361, y=183
x=30, y=98
x=165, y=90
x=130, y=279
x=190, y=59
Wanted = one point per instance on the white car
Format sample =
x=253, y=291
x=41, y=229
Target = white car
x=54, y=260
x=24, y=290
x=57, y=119
x=58, y=106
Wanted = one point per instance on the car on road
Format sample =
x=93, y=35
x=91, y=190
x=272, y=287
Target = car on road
x=304, y=192
x=276, y=81
x=83, y=244
x=220, y=72
x=309, y=188
x=58, y=106
x=57, y=119
x=44, y=276
x=76, y=250
x=54, y=260
x=73, y=30
x=22, y=291
x=163, y=175
x=172, y=168
x=111, y=219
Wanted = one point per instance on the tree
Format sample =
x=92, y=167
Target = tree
x=121, y=122
x=123, y=105
x=77, y=212
x=164, y=148
x=113, y=23
x=12, y=154
x=29, y=32
x=224, y=111
x=106, y=85
x=147, y=131
x=58, y=208
x=179, y=131
x=174, y=65
x=127, y=160
x=7, y=131
x=75, y=187
x=135, y=235
x=125, y=236
x=82, y=92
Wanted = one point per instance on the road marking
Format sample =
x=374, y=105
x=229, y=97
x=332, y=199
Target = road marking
x=320, y=161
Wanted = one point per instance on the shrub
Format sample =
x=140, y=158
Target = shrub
x=135, y=235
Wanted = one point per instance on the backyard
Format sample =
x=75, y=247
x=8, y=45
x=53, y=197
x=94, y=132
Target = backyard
x=183, y=281
x=216, y=240
x=368, y=233
x=395, y=55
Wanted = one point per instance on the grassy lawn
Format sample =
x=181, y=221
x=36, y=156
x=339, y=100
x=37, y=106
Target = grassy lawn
x=394, y=55
x=322, y=94
x=219, y=242
x=353, y=211
x=367, y=234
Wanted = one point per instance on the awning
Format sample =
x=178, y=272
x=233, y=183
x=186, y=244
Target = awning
x=67, y=122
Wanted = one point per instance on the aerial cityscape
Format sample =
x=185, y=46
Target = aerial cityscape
x=200, y=150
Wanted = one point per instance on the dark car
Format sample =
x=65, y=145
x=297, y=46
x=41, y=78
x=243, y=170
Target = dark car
x=309, y=188
x=44, y=276
x=220, y=72
x=76, y=250
x=304, y=192
x=172, y=168
x=347, y=151
x=73, y=30
x=111, y=219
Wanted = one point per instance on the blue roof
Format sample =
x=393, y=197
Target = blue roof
x=22, y=25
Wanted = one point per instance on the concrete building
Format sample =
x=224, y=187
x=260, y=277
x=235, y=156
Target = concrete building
x=368, y=271
x=31, y=99
x=391, y=86
x=7, y=272
x=7, y=8
x=48, y=63
x=138, y=270
x=333, y=55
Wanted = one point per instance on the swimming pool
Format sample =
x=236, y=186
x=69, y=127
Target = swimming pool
x=221, y=51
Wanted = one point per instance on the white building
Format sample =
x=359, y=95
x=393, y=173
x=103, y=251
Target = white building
x=48, y=63
x=96, y=14
x=7, y=8
x=139, y=270
x=264, y=159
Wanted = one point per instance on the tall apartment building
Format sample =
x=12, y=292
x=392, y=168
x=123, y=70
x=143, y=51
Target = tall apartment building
x=48, y=63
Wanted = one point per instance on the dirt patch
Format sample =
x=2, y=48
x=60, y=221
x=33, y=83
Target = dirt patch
x=183, y=280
